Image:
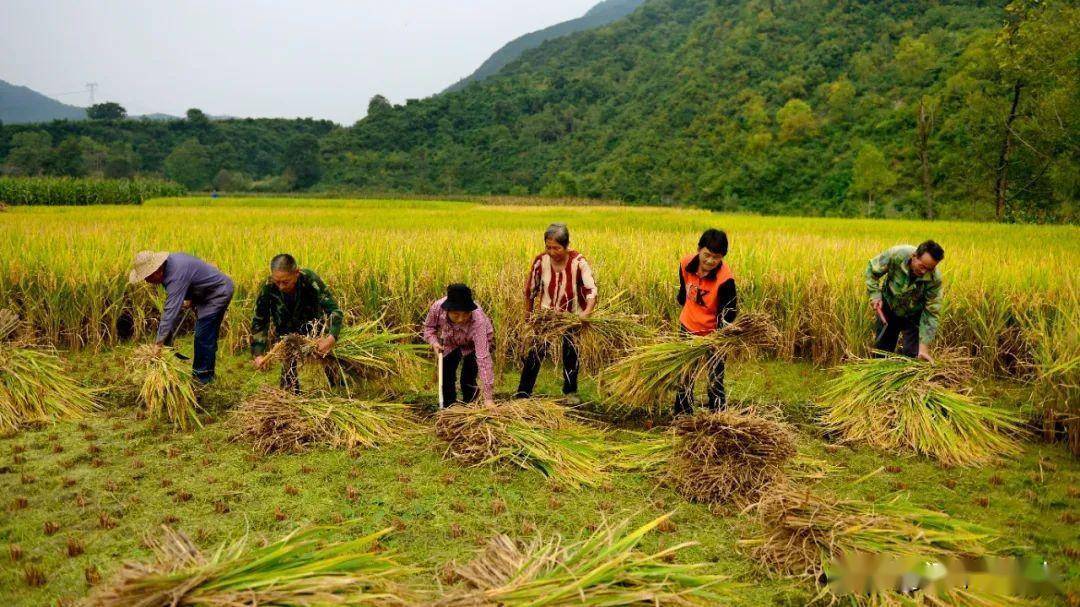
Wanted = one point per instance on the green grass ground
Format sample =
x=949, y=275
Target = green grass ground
x=213, y=489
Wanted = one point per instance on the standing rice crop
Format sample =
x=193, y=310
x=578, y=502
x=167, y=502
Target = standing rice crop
x=645, y=381
x=604, y=569
x=729, y=455
x=276, y=421
x=302, y=568
x=898, y=403
x=804, y=530
x=165, y=386
x=34, y=385
x=531, y=434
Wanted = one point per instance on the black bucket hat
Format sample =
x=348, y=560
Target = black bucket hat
x=458, y=299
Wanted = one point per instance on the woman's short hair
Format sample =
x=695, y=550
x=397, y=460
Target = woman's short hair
x=714, y=240
x=283, y=262
x=559, y=233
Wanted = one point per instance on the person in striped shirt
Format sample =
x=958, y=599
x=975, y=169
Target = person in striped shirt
x=561, y=279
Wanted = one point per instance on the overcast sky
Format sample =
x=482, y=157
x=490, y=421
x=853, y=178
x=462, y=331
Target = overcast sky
x=319, y=58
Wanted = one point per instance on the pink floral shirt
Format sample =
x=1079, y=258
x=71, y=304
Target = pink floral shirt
x=473, y=336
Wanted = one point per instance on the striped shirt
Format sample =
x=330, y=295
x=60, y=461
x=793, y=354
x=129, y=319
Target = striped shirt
x=567, y=290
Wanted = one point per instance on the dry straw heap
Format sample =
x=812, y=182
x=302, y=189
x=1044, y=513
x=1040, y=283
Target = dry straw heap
x=165, y=386
x=729, y=456
x=34, y=385
x=278, y=421
x=604, y=569
x=646, y=380
x=900, y=404
x=302, y=568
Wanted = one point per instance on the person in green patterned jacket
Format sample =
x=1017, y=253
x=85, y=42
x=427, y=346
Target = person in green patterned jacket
x=904, y=286
x=294, y=300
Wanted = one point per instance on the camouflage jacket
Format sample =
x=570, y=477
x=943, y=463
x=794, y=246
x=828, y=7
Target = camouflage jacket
x=311, y=305
x=906, y=295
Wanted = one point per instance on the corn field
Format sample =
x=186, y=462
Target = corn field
x=1012, y=301
x=71, y=191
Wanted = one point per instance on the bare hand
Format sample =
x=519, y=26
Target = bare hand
x=583, y=314
x=186, y=305
x=260, y=362
x=876, y=305
x=157, y=348
x=489, y=403
x=924, y=353
x=439, y=350
x=325, y=344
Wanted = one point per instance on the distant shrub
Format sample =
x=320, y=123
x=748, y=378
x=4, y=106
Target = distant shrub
x=79, y=191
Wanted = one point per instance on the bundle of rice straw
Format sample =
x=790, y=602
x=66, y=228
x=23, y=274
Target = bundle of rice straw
x=34, y=385
x=302, y=568
x=729, y=455
x=804, y=530
x=647, y=379
x=605, y=568
x=278, y=421
x=165, y=386
x=601, y=338
x=366, y=351
x=897, y=403
x=528, y=433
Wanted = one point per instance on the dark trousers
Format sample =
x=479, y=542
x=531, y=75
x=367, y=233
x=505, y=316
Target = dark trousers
x=535, y=358
x=717, y=394
x=887, y=334
x=290, y=375
x=207, y=331
x=469, y=371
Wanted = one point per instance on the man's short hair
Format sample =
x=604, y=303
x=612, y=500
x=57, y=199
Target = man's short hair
x=559, y=233
x=713, y=240
x=931, y=247
x=283, y=262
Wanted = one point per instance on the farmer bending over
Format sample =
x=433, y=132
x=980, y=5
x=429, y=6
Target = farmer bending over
x=294, y=301
x=709, y=302
x=560, y=279
x=908, y=300
x=188, y=281
x=460, y=332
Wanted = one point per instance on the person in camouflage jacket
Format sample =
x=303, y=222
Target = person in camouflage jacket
x=294, y=300
x=904, y=287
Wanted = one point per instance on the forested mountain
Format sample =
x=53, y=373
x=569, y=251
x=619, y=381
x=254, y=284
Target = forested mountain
x=879, y=107
x=19, y=104
x=601, y=14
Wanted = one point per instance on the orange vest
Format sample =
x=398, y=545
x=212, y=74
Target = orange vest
x=699, y=311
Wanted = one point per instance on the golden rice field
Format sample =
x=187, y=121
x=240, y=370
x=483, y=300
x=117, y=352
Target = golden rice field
x=1012, y=296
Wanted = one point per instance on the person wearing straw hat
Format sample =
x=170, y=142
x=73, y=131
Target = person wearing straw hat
x=709, y=302
x=904, y=287
x=559, y=279
x=188, y=281
x=295, y=301
x=461, y=335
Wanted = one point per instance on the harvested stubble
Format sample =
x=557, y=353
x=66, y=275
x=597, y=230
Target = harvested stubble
x=607, y=334
x=605, y=568
x=366, y=351
x=301, y=568
x=34, y=386
x=528, y=433
x=646, y=380
x=729, y=456
x=165, y=386
x=276, y=421
x=898, y=403
x=803, y=530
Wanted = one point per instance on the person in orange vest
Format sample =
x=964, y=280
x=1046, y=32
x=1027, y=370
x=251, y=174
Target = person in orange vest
x=709, y=302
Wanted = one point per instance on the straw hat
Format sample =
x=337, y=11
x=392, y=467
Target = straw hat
x=145, y=264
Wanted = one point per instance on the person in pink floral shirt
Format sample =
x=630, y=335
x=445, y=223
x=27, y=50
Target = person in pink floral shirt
x=460, y=332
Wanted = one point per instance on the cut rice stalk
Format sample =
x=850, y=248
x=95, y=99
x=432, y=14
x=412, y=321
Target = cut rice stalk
x=278, y=421
x=301, y=568
x=647, y=379
x=729, y=456
x=35, y=388
x=604, y=569
x=804, y=530
x=165, y=386
x=528, y=433
x=898, y=403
